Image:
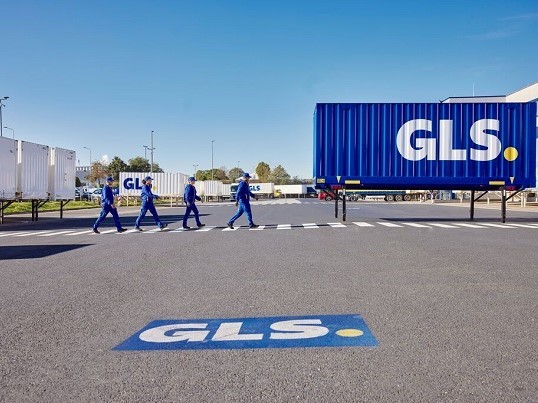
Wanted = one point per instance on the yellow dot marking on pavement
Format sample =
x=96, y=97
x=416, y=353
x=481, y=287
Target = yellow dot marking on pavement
x=349, y=332
x=510, y=153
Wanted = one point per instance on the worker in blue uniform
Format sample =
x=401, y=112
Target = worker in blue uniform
x=242, y=199
x=108, y=206
x=190, y=197
x=146, y=197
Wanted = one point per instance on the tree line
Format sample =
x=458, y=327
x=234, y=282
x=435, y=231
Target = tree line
x=278, y=175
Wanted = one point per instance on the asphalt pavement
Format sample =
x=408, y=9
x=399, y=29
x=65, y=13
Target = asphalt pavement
x=452, y=303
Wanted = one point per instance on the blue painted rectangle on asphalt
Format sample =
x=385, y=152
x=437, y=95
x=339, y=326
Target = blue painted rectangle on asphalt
x=267, y=332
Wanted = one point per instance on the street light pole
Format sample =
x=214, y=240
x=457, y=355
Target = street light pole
x=151, y=170
x=195, y=169
x=145, y=152
x=1, y=105
x=12, y=131
x=212, y=142
x=90, y=150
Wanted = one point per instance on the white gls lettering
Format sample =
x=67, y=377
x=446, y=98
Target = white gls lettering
x=427, y=147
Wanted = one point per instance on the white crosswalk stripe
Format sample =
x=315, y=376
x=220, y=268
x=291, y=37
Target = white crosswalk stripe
x=469, y=225
x=57, y=233
x=230, y=229
x=80, y=233
x=206, y=229
x=260, y=228
x=283, y=226
x=416, y=225
x=363, y=224
x=390, y=224
x=523, y=225
x=498, y=225
x=337, y=225
x=14, y=233
x=442, y=225
x=32, y=233
x=310, y=225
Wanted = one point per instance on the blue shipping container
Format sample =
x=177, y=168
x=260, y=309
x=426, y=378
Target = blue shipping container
x=425, y=146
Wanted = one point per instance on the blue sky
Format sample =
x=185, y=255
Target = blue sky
x=247, y=74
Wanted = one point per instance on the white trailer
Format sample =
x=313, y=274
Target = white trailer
x=209, y=188
x=62, y=173
x=291, y=190
x=33, y=171
x=259, y=189
x=164, y=184
x=8, y=168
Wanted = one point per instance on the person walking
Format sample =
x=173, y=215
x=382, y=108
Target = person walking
x=147, y=197
x=108, y=206
x=242, y=199
x=190, y=198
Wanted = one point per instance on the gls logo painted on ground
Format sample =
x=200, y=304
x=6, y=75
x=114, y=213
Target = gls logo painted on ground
x=270, y=332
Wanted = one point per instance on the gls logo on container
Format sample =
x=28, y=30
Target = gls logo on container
x=131, y=184
x=273, y=332
x=490, y=145
x=255, y=188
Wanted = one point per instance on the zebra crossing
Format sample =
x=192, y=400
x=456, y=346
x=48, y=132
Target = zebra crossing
x=74, y=232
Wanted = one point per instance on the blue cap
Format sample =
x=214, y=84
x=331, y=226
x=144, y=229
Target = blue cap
x=148, y=178
x=110, y=179
x=246, y=175
x=192, y=178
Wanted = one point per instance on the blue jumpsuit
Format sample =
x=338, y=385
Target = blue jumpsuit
x=190, y=197
x=107, y=201
x=147, y=204
x=243, y=197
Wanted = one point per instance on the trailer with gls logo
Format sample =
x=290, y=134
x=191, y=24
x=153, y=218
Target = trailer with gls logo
x=439, y=146
x=259, y=189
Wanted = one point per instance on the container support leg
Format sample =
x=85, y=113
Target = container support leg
x=336, y=203
x=62, y=204
x=4, y=205
x=472, y=206
x=344, y=204
x=503, y=206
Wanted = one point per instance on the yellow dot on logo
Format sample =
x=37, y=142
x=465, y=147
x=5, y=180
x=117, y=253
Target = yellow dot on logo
x=349, y=332
x=510, y=154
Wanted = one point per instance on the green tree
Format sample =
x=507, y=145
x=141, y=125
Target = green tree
x=138, y=164
x=98, y=171
x=235, y=173
x=263, y=170
x=115, y=167
x=279, y=176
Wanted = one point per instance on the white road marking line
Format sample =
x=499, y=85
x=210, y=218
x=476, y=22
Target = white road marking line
x=389, y=224
x=80, y=233
x=109, y=231
x=336, y=225
x=442, y=225
x=206, y=228
x=523, y=225
x=469, y=225
x=283, y=226
x=260, y=228
x=14, y=233
x=310, y=225
x=498, y=225
x=230, y=229
x=363, y=224
x=58, y=233
x=34, y=233
x=413, y=224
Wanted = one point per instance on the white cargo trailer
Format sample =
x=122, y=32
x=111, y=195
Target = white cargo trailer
x=291, y=190
x=33, y=171
x=163, y=184
x=209, y=188
x=259, y=189
x=8, y=168
x=62, y=173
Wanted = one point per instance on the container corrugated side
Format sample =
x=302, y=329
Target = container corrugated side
x=425, y=146
x=209, y=188
x=33, y=171
x=291, y=189
x=163, y=184
x=226, y=187
x=62, y=172
x=8, y=168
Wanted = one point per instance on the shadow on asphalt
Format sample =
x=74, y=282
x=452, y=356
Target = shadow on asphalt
x=35, y=251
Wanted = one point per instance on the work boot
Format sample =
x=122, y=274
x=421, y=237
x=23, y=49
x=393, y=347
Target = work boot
x=230, y=225
x=95, y=231
x=201, y=225
x=122, y=230
x=253, y=226
x=138, y=229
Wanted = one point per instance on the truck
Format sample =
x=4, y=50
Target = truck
x=259, y=189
